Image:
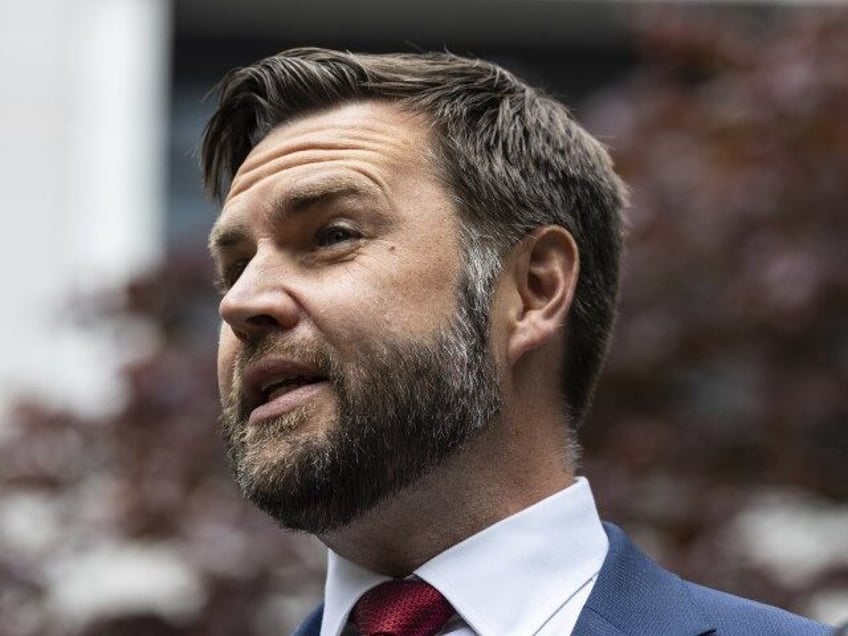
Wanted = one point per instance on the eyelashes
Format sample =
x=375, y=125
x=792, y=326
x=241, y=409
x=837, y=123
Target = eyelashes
x=335, y=234
x=333, y=239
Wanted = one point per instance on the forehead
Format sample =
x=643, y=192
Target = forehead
x=367, y=142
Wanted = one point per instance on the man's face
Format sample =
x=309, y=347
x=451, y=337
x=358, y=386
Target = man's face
x=349, y=364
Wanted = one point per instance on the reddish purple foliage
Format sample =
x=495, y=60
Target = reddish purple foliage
x=729, y=372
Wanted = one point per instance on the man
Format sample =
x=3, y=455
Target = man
x=419, y=260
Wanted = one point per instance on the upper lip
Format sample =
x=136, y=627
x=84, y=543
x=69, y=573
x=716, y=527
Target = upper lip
x=261, y=375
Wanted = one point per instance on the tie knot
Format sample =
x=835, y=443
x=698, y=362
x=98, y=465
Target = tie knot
x=401, y=608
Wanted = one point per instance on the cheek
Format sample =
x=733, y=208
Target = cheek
x=395, y=310
x=505, y=309
x=420, y=292
x=227, y=346
x=388, y=295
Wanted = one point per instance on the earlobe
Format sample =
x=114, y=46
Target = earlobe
x=545, y=272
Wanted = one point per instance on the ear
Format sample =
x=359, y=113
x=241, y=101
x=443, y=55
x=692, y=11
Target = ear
x=544, y=276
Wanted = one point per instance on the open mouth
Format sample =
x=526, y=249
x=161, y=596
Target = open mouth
x=276, y=388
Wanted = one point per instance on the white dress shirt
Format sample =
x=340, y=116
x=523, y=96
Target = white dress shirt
x=529, y=574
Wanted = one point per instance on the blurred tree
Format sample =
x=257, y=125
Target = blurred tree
x=729, y=373
x=145, y=485
x=727, y=378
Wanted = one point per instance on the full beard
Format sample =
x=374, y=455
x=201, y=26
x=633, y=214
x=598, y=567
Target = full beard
x=402, y=408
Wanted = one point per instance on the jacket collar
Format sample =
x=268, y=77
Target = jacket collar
x=312, y=625
x=635, y=596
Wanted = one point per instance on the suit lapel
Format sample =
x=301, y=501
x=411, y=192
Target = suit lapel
x=312, y=625
x=634, y=596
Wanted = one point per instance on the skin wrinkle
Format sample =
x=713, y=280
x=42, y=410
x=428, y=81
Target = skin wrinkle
x=379, y=222
x=360, y=166
x=230, y=232
x=357, y=140
x=396, y=317
x=366, y=138
x=391, y=165
x=512, y=156
x=357, y=164
x=331, y=182
x=324, y=191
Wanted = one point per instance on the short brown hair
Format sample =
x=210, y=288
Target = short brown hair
x=513, y=158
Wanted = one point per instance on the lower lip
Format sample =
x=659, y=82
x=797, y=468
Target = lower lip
x=284, y=403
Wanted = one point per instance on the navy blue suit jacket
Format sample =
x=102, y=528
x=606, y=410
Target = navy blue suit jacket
x=634, y=596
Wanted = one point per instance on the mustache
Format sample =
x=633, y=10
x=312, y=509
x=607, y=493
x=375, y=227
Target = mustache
x=313, y=353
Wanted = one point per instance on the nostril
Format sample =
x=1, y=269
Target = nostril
x=262, y=320
x=258, y=304
x=252, y=327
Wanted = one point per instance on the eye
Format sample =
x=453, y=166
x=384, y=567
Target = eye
x=331, y=235
x=228, y=275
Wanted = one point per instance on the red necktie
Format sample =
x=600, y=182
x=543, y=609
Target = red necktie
x=401, y=608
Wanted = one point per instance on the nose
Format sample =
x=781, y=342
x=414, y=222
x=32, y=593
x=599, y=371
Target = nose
x=259, y=302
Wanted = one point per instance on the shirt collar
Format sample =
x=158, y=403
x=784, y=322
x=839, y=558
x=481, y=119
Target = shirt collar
x=346, y=582
x=507, y=579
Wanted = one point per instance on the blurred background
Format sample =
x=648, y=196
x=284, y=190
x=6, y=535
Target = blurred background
x=719, y=438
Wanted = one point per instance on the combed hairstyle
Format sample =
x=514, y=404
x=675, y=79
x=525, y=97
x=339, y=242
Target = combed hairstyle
x=512, y=158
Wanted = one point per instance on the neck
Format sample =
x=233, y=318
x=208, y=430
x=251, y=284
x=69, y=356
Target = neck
x=503, y=471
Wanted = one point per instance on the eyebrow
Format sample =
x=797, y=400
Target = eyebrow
x=291, y=203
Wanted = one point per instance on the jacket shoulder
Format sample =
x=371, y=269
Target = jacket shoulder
x=635, y=596
x=732, y=615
